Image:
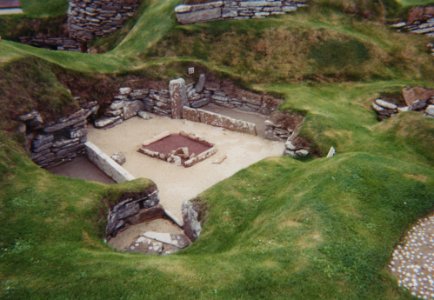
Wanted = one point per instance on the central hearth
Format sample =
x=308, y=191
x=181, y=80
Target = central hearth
x=182, y=149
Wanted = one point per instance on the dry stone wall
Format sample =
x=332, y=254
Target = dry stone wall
x=55, y=43
x=225, y=93
x=88, y=19
x=52, y=143
x=129, y=102
x=234, y=9
x=217, y=120
x=133, y=209
x=175, y=100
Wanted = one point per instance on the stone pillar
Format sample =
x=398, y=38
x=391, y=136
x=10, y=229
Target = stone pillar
x=178, y=97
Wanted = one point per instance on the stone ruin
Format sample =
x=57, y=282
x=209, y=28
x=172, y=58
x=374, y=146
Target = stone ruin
x=181, y=149
x=413, y=99
x=88, y=19
x=140, y=207
x=234, y=9
x=54, y=142
x=420, y=20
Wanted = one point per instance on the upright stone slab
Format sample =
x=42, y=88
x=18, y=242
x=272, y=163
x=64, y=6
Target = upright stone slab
x=178, y=97
x=200, y=83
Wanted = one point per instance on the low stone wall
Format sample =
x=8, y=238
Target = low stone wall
x=181, y=156
x=133, y=208
x=130, y=101
x=53, y=143
x=234, y=9
x=217, y=120
x=226, y=93
x=88, y=19
x=55, y=43
x=107, y=164
x=178, y=96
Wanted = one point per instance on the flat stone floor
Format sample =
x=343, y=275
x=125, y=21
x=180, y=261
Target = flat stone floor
x=125, y=238
x=413, y=260
x=176, y=183
x=81, y=168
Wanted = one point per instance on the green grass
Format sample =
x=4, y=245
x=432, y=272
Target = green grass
x=44, y=8
x=281, y=229
x=414, y=2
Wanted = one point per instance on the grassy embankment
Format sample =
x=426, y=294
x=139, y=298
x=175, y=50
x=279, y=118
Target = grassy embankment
x=324, y=228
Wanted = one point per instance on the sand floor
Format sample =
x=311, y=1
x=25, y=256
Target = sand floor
x=176, y=183
x=125, y=238
x=82, y=168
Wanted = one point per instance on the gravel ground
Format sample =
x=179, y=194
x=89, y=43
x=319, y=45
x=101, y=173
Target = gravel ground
x=413, y=261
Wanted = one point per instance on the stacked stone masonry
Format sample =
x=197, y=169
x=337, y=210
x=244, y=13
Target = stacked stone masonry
x=134, y=209
x=88, y=19
x=55, y=43
x=234, y=9
x=53, y=143
x=130, y=102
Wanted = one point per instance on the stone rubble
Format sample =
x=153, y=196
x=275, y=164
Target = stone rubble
x=159, y=243
x=413, y=261
x=420, y=21
x=119, y=157
x=416, y=99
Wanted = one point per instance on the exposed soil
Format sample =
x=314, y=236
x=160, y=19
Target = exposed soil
x=81, y=168
x=175, y=141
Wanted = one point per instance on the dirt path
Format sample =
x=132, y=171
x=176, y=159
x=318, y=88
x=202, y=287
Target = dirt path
x=178, y=184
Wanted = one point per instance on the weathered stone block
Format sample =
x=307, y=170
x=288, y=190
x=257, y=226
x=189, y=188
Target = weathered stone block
x=191, y=114
x=199, y=16
x=132, y=108
x=178, y=97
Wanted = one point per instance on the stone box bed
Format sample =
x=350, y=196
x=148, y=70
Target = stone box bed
x=179, y=148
